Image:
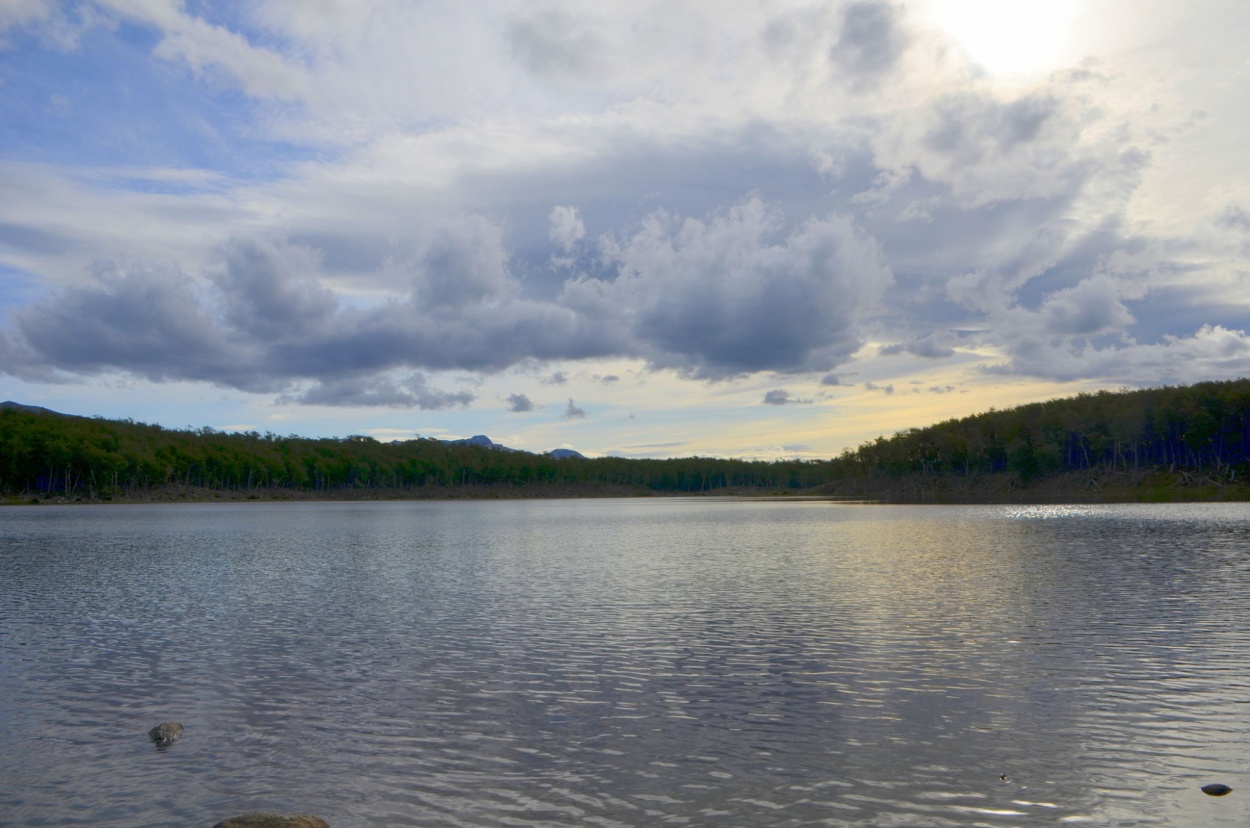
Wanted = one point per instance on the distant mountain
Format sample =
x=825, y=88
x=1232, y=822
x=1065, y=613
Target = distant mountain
x=29, y=409
x=478, y=440
x=485, y=442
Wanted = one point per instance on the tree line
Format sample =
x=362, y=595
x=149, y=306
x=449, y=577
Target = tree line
x=1204, y=427
x=46, y=453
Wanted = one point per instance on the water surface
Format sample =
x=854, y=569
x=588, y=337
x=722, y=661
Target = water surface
x=625, y=663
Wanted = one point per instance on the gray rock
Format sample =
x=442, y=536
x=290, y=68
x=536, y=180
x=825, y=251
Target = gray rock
x=264, y=820
x=1216, y=789
x=165, y=733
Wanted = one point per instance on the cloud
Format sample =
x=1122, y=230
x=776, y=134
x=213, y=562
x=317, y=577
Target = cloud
x=411, y=392
x=736, y=294
x=15, y=13
x=567, y=228
x=555, y=43
x=519, y=403
x=769, y=187
x=201, y=45
x=872, y=386
x=1091, y=307
x=872, y=40
x=1212, y=352
x=572, y=412
x=270, y=292
x=1234, y=217
x=144, y=319
x=780, y=396
x=926, y=347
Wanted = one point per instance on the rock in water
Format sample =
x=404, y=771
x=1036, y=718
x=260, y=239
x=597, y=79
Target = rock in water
x=264, y=820
x=1216, y=789
x=165, y=733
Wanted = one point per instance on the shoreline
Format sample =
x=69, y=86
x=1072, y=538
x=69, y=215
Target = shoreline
x=1144, y=486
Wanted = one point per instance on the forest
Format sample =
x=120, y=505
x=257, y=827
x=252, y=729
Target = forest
x=1202, y=429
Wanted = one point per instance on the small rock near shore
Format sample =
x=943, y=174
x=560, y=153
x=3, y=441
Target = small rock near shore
x=264, y=820
x=1216, y=789
x=165, y=733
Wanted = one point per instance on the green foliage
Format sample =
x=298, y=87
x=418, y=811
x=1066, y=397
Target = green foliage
x=48, y=453
x=1205, y=426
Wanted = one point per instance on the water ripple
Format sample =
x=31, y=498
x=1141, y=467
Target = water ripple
x=625, y=663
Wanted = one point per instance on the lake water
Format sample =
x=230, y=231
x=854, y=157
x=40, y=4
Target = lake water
x=626, y=663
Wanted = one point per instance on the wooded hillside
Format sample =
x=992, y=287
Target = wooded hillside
x=1202, y=429
x=1205, y=427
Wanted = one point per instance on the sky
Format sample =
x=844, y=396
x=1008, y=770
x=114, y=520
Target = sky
x=757, y=229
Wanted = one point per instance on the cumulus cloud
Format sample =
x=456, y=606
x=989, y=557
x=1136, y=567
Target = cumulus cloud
x=789, y=183
x=144, y=319
x=735, y=293
x=519, y=403
x=271, y=292
x=572, y=412
x=1091, y=307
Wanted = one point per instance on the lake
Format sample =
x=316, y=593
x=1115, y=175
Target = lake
x=626, y=663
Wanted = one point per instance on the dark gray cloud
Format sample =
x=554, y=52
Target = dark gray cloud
x=1091, y=307
x=555, y=43
x=830, y=379
x=736, y=294
x=1234, y=217
x=572, y=412
x=519, y=403
x=872, y=40
x=412, y=392
x=270, y=293
x=926, y=347
x=962, y=219
x=144, y=319
x=780, y=396
x=969, y=126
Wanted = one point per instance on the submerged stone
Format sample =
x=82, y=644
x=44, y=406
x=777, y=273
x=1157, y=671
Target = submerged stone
x=165, y=733
x=265, y=820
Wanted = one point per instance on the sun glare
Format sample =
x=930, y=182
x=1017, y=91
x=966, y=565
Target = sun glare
x=1008, y=37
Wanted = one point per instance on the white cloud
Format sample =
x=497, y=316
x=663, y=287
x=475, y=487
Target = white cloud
x=567, y=228
x=261, y=72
